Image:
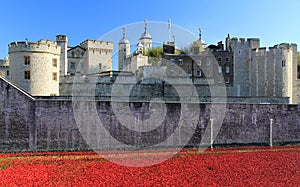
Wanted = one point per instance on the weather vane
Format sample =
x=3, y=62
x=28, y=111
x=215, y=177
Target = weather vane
x=200, y=34
x=145, y=21
x=124, y=32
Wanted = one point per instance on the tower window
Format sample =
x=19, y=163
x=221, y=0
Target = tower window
x=199, y=73
x=54, y=62
x=219, y=59
x=220, y=69
x=54, y=76
x=283, y=63
x=180, y=62
x=27, y=75
x=72, y=65
x=227, y=59
x=208, y=62
x=26, y=60
x=7, y=73
x=227, y=80
x=199, y=62
x=227, y=69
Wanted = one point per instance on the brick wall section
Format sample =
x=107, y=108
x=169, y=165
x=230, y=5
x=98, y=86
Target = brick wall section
x=35, y=124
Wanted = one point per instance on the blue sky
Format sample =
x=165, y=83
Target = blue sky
x=272, y=21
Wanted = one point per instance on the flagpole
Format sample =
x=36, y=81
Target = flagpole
x=169, y=29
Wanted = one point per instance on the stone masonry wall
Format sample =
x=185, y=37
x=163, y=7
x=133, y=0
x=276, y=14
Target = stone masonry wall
x=31, y=124
x=16, y=118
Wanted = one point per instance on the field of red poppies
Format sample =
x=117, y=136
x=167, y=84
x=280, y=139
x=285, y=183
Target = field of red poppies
x=247, y=166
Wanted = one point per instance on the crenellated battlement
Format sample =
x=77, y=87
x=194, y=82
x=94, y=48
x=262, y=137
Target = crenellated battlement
x=253, y=42
x=97, y=44
x=276, y=48
x=45, y=46
x=286, y=46
x=243, y=40
x=249, y=43
x=61, y=38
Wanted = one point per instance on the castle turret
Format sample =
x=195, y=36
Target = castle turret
x=62, y=41
x=146, y=39
x=124, y=51
x=34, y=66
x=241, y=49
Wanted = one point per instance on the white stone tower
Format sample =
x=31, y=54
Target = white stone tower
x=62, y=41
x=273, y=72
x=124, y=51
x=34, y=66
x=98, y=56
x=289, y=70
x=146, y=39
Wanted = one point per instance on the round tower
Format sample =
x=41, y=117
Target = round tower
x=34, y=66
x=62, y=41
x=146, y=39
x=124, y=51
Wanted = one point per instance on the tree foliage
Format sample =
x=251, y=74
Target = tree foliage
x=154, y=55
x=154, y=52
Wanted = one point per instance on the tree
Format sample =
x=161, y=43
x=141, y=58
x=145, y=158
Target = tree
x=154, y=52
x=190, y=48
x=154, y=55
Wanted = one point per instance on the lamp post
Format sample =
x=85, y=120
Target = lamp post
x=271, y=131
x=211, y=132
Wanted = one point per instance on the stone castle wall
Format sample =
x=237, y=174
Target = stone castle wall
x=31, y=124
x=149, y=88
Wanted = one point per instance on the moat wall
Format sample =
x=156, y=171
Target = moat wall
x=31, y=124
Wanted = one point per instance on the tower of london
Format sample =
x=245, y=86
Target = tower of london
x=249, y=71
